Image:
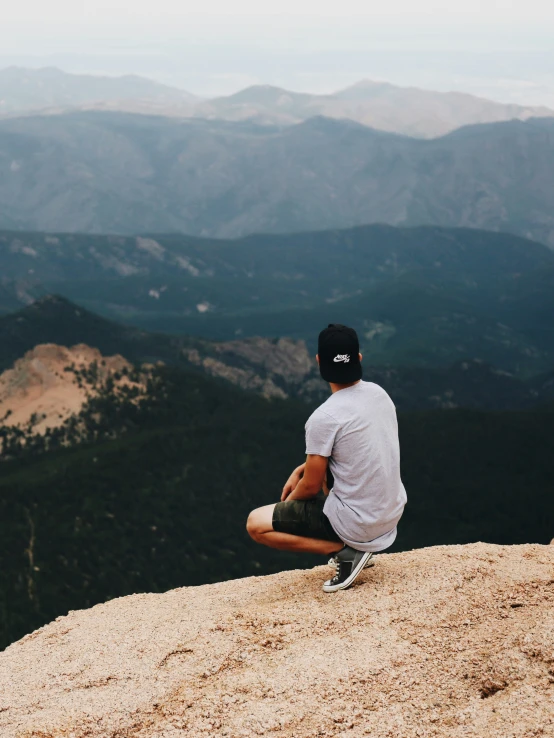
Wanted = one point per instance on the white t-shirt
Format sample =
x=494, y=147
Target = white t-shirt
x=358, y=430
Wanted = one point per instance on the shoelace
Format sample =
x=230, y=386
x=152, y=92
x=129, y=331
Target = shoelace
x=333, y=561
x=336, y=577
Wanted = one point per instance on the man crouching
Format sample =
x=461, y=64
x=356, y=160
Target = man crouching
x=354, y=435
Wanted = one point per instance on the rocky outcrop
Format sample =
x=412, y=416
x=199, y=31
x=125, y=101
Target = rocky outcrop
x=446, y=641
x=273, y=368
x=47, y=385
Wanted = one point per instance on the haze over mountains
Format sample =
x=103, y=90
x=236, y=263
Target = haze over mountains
x=123, y=173
x=51, y=90
x=406, y=110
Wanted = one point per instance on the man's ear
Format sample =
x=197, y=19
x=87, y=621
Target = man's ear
x=317, y=358
x=360, y=356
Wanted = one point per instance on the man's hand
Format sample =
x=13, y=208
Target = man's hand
x=315, y=470
x=292, y=481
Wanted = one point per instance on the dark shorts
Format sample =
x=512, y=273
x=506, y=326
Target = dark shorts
x=304, y=518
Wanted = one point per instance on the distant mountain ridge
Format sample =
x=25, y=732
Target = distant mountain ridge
x=123, y=173
x=50, y=90
x=406, y=110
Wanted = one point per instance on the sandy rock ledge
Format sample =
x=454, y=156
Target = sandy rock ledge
x=445, y=641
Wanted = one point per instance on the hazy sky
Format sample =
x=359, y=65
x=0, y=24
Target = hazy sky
x=54, y=10
x=495, y=48
x=316, y=22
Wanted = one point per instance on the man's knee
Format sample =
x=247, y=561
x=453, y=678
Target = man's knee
x=259, y=522
x=253, y=524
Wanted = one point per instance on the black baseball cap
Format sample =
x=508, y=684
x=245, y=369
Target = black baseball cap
x=339, y=354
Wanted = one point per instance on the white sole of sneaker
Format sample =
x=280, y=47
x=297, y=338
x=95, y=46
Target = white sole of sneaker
x=349, y=580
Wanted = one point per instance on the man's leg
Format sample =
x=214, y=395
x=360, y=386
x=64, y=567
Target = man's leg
x=260, y=527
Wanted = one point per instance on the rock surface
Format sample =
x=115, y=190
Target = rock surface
x=445, y=641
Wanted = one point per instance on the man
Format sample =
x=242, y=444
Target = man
x=354, y=434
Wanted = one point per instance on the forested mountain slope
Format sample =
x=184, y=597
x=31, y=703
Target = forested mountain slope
x=124, y=173
x=422, y=296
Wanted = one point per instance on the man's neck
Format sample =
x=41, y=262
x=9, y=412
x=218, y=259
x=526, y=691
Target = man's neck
x=337, y=387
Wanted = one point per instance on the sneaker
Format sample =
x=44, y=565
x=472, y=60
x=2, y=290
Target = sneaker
x=349, y=564
x=333, y=562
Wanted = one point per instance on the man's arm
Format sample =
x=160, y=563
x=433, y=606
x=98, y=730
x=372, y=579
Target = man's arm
x=292, y=481
x=315, y=470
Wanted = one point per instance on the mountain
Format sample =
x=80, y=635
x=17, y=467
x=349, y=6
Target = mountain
x=444, y=641
x=273, y=368
x=120, y=173
x=427, y=297
x=405, y=110
x=49, y=89
x=54, y=320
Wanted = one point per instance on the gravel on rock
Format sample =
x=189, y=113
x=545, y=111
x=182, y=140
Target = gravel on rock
x=446, y=641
